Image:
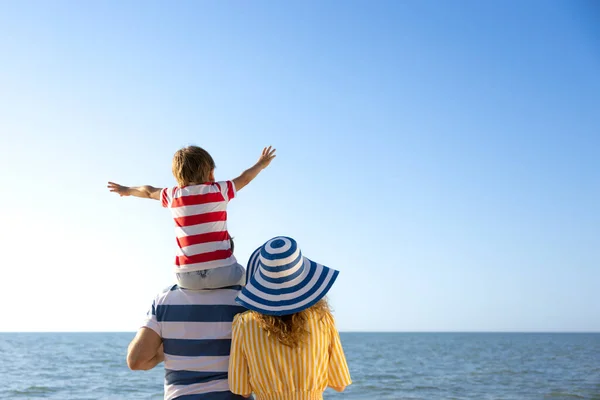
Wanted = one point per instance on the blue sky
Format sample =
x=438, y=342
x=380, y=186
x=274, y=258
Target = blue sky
x=444, y=156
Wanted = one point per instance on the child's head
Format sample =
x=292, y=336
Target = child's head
x=193, y=165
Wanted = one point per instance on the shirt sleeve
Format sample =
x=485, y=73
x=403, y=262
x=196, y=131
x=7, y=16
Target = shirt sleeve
x=338, y=373
x=227, y=190
x=166, y=196
x=238, y=374
x=151, y=321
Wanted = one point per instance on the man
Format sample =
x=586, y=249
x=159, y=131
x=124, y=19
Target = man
x=190, y=330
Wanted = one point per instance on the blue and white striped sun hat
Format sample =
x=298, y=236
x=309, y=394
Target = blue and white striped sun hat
x=280, y=281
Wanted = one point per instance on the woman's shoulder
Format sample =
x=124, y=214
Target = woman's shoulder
x=244, y=317
x=324, y=318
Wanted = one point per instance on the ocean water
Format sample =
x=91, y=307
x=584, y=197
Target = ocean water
x=383, y=366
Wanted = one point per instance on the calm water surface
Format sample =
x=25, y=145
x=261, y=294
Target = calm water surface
x=383, y=366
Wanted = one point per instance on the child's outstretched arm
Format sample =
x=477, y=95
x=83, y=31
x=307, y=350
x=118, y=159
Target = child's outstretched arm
x=268, y=154
x=145, y=192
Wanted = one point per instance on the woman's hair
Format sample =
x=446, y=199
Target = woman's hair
x=291, y=329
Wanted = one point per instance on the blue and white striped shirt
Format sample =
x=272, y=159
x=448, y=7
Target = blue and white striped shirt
x=195, y=326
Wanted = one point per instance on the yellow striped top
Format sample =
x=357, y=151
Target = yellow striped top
x=259, y=363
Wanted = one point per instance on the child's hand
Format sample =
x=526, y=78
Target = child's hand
x=268, y=154
x=120, y=190
x=266, y=157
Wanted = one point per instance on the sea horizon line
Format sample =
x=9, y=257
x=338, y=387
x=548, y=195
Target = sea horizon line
x=366, y=332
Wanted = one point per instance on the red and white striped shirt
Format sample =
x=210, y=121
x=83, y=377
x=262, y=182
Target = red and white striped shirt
x=200, y=214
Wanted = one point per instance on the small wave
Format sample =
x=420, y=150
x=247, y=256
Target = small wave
x=34, y=390
x=426, y=388
x=564, y=395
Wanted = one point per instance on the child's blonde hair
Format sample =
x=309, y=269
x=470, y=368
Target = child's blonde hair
x=192, y=164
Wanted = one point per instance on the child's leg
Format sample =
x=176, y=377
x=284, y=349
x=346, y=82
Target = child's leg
x=195, y=280
x=224, y=276
x=212, y=278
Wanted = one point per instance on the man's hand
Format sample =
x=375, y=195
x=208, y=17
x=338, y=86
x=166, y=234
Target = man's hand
x=120, y=190
x=268, y=154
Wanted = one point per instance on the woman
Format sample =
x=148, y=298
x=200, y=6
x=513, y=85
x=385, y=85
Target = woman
x=286, y=346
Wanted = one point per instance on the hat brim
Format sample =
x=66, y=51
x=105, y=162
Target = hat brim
x=252, y=265
x=273, y=298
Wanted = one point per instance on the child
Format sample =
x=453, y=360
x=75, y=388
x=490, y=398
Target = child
x=198, y=204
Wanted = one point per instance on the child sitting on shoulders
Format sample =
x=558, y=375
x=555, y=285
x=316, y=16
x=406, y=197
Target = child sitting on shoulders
x=198, y=204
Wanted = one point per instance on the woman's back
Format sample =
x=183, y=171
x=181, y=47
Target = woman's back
x=286, y=347
x=261, y=363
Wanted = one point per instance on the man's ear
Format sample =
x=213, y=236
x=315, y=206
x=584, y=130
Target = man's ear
x=211, y=177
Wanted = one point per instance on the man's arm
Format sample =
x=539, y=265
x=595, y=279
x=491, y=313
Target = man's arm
x=145, y=192
x=268, y=154
x=145, y=350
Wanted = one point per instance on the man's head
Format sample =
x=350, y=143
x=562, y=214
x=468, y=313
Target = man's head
x=193, y=165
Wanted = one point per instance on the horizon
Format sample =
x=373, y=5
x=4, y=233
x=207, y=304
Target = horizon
x=358, y=332
x=443, y=156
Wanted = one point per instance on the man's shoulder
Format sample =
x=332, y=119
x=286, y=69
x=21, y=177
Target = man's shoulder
x=174, y=294
x=177, y=288
x=169, y=288
x=166, y=291
x=206, y=306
